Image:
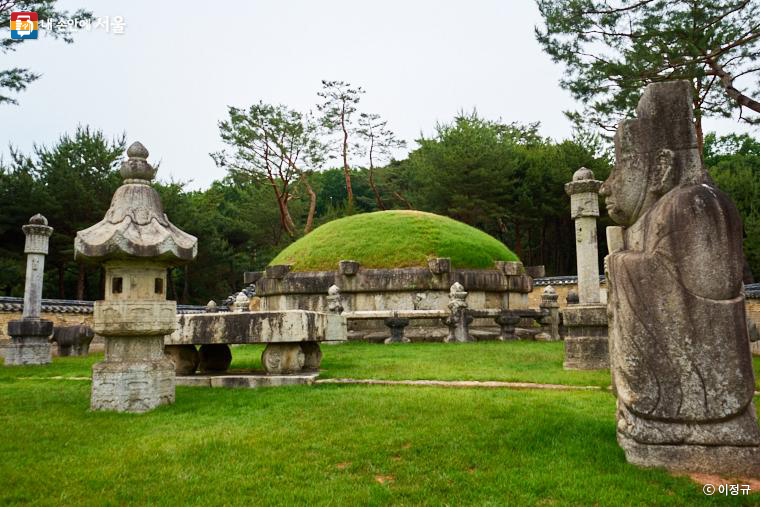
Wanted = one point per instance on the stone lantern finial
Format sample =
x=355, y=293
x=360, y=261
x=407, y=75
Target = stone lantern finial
x=136, y=166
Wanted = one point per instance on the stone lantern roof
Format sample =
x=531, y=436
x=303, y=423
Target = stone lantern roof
x=135, y=224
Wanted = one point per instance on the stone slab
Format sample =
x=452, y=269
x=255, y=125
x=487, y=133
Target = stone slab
x=246, y=380
x=724, y=460
x=258, y=327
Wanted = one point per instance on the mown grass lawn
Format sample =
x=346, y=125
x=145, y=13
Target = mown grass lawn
x=328, y=444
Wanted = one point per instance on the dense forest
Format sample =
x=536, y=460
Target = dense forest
x=505, y=179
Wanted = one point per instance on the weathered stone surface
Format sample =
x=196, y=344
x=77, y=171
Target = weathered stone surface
x=214, y=357
x=29, y=342
x=680, y=356
x=586, y=340
x=312, y=354
x=257, y=327
x=458, y=321
x=283, y=358
x=185, y=358
x=135, y=224
x=396, y=326
x=348, y=268
x=439, y=265
x=247, y=380
x=132, y=386
x=278, y=271
x=73, y=340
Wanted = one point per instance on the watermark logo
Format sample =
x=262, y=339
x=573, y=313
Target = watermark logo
x=23, y=25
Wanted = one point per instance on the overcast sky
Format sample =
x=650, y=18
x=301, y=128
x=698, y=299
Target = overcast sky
x=168, y=79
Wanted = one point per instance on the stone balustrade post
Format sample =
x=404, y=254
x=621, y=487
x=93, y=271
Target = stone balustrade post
x=29, y=335
x=459, y=320
x=334, y=300
x=396, y=325
x=507, y=321
x=242, y=303
x=550, y=322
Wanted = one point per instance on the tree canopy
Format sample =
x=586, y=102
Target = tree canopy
x=612, y=49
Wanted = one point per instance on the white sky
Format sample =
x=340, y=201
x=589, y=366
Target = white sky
x=169, y=78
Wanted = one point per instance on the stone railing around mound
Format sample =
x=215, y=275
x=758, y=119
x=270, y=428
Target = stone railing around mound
x=458, y=317
x=505, y=287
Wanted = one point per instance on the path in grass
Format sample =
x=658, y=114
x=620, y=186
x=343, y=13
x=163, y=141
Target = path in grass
x=533, y=362
x=324, y=445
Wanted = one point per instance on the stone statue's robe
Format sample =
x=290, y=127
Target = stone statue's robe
x=684, y=253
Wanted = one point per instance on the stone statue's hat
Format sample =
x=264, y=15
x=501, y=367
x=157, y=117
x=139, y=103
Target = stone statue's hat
x=664, y=121
x=135, y=224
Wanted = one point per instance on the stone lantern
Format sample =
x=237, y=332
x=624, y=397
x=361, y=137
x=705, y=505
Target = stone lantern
x=136, y=243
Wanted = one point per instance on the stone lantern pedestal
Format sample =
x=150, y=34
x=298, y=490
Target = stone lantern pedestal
x=30, y=335
x=135, y=242
x=586, y=340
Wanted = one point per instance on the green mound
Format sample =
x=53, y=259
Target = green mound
x=394, y=239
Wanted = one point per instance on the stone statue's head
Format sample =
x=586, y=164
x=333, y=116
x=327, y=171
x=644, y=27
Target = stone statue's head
x=654, y=152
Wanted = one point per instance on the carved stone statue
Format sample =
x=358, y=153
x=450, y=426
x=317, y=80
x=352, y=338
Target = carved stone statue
x=679, y=349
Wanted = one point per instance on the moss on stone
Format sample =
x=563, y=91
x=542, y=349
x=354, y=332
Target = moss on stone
x=394, y=239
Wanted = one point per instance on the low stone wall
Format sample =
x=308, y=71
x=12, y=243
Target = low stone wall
x=504, y=287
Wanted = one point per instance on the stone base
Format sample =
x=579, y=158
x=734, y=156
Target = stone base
x=29, y=342
x=730, y=461
x=132, y=386
x=184, y=357
x=283, y=358
x=27, y=353
x=247, y=380
x=586, y=341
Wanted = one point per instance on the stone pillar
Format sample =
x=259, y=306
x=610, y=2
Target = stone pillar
x=135, y=242
x=459, y=320
x=586, y=342
x=550, y=321
x=29, y=336
x=584, y=208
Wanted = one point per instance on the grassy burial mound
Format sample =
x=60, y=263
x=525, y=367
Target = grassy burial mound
x=394, y=239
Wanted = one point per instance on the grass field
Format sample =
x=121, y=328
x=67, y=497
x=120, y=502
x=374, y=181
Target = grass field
x=333, y=445
x=394, y=239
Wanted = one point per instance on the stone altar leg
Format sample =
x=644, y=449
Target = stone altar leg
x=135, y=376
x=586, y=342
x=312, y=355
x=184, y=357
x=283, y=358
x=215, y=357
x=29, y=342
